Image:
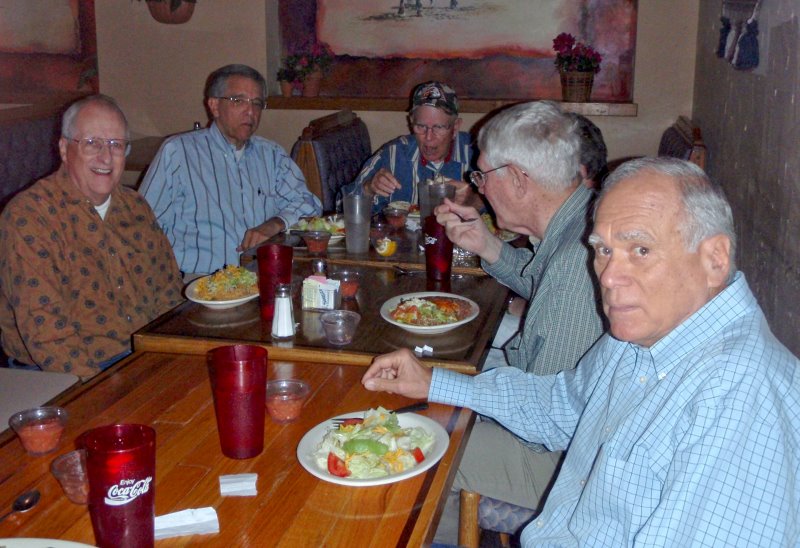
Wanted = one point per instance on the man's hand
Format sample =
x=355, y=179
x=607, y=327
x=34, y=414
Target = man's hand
x=398, y=373
x=261, y=233
x=382, y=183
x=472, y=236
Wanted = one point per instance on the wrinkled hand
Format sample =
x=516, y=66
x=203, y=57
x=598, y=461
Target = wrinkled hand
x=473, y=236
x=261, y=233
x=398, y=373
x=382, y=183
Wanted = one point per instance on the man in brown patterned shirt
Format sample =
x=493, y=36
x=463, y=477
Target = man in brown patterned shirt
x=83, y=262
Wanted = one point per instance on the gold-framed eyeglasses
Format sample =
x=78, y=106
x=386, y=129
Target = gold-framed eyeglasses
x=92, y=146
x=479, y=178
x=437, y=129
x=242, y=102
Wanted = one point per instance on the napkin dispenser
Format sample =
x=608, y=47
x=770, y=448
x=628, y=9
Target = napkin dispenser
x=320, y=293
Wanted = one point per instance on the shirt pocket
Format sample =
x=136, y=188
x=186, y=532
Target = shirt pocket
x=629, y=488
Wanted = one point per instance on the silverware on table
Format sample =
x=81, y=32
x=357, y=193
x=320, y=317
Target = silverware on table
x=25, y=502
x=419, y=406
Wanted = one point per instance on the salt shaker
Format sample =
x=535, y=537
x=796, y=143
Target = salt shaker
x=283, y=320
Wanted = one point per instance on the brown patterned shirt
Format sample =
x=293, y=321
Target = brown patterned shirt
x=73, y=287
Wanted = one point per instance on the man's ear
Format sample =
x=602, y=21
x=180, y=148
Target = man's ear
x=456, y=127
x=62, y=149
x=519, y=181
x=715, y=254
x=213, y=106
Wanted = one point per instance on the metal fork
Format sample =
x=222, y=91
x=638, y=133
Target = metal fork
x=419, y=406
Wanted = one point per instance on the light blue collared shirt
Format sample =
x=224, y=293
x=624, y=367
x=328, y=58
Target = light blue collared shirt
x=694, y=441
x=205, y=200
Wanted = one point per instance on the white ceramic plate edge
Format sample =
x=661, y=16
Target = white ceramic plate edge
x=41, y=543
x=308, y=445
x=390, y=304
x=191, y=292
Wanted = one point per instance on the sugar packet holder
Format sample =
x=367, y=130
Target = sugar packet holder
x=320, y=293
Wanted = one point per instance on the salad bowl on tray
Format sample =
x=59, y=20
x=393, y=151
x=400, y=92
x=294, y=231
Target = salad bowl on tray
x=471, y=307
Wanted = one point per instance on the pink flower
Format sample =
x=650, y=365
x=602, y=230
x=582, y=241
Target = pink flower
x=563, y=43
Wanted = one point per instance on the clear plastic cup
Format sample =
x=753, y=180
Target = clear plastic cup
x=340, y=326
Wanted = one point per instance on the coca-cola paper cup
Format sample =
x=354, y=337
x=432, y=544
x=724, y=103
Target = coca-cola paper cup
x=121, y=465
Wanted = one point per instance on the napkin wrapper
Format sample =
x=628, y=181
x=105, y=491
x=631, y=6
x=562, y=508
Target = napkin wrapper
x=238, y=485
x=423, y=350
x=195, y=521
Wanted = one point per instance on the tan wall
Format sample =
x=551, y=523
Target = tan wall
x=157, y=71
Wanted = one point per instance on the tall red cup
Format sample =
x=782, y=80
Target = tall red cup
x=438, y=250
x=274, y=267
x=239, y=383
x=121, y=465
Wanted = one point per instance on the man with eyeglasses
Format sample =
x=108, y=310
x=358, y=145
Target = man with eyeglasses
x=83, y=262
x=222, y=190
x=530, y=174
x=435, y=149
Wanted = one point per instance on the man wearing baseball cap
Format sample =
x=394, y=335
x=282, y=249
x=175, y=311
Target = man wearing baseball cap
x=434, y=149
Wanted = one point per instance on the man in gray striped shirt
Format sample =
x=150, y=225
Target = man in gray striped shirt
x=221, y=190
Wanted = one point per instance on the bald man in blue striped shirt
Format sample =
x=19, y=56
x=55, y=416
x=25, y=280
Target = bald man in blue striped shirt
x=221, y=190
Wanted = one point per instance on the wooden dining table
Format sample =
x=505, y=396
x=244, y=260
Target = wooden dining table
x=194, y=328
x=172, y=394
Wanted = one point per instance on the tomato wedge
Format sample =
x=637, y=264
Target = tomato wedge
x=351, y=422
x=337, y=467
x=419, y=456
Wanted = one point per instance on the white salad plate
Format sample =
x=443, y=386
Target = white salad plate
x=40, y=543
x=392, y=303
x=191, y=294
x=308, y=446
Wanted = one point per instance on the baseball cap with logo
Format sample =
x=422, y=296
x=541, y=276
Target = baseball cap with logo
x=435, y=94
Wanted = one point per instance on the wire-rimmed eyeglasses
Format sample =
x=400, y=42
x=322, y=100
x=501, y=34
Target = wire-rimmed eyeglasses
x=241, y=102
x=478, y=177
x=92, y=146
x=438, y=129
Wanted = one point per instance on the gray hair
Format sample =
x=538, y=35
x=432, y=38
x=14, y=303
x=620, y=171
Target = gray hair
x=594, y=153
x=68, y=120
x=706, y=209
x=217, y=82
x=536, y=137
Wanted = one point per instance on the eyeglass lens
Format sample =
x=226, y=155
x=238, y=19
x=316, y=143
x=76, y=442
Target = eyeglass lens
x=92, y=146
x=241, y=102
x=422, y=129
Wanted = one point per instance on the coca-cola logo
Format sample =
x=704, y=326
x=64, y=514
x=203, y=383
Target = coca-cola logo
x=127, y=490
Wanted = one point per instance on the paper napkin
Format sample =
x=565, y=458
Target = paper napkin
x=195, y=521
x=238, y=485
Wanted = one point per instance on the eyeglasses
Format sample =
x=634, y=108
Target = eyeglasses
x=438, y=129
x=92, y=146
x=478, y=177
x=242, y=102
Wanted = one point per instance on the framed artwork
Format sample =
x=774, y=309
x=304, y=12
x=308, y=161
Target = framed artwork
x=47, y=48
x=485, y=49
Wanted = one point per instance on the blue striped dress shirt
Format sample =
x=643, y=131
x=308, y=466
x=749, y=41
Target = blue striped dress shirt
x=694, y=441
x=205, y=199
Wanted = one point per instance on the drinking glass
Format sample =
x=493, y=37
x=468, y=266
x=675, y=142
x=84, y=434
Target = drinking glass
x=438, y=250
x=274, y=267
x=238, y=376
x=121, y=466
x=357, y=214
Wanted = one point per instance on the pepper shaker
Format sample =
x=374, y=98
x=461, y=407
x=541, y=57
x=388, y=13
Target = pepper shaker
x=319, y=268
x=283, y=322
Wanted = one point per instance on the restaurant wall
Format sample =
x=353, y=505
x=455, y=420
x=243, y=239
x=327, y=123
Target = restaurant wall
x=157, y=71
x=751, y=126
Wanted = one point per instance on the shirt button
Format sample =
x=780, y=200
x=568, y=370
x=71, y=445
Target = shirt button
x=642, y=379
x=128, y=318
x=662, y=376
x=583, y=482
x=608, y=429
x=539, y=523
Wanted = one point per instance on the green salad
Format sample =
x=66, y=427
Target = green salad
x=332, y=224
x=372, y=447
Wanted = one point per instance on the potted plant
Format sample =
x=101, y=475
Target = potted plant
x=311, y=60
x=577, y=64
x=289, y=79
x=171, y=12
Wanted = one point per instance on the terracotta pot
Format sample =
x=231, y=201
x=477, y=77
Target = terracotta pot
x=286, y=88
x=311, y=84
x=161, y=12
x=576, y=87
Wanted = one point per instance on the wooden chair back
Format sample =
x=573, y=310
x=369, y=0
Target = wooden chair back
x=684, y=140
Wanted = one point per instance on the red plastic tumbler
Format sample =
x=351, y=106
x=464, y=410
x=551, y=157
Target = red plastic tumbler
x=121, y=465
x=239, y=382
x=438, y=250
x=274, y=267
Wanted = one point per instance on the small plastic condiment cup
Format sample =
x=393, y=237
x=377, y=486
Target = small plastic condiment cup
x=70, y=471
x=340, y=326
x=348, y=282
x=285, y=399
x=39, y=429
x=396, y=217
x=317, y=240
